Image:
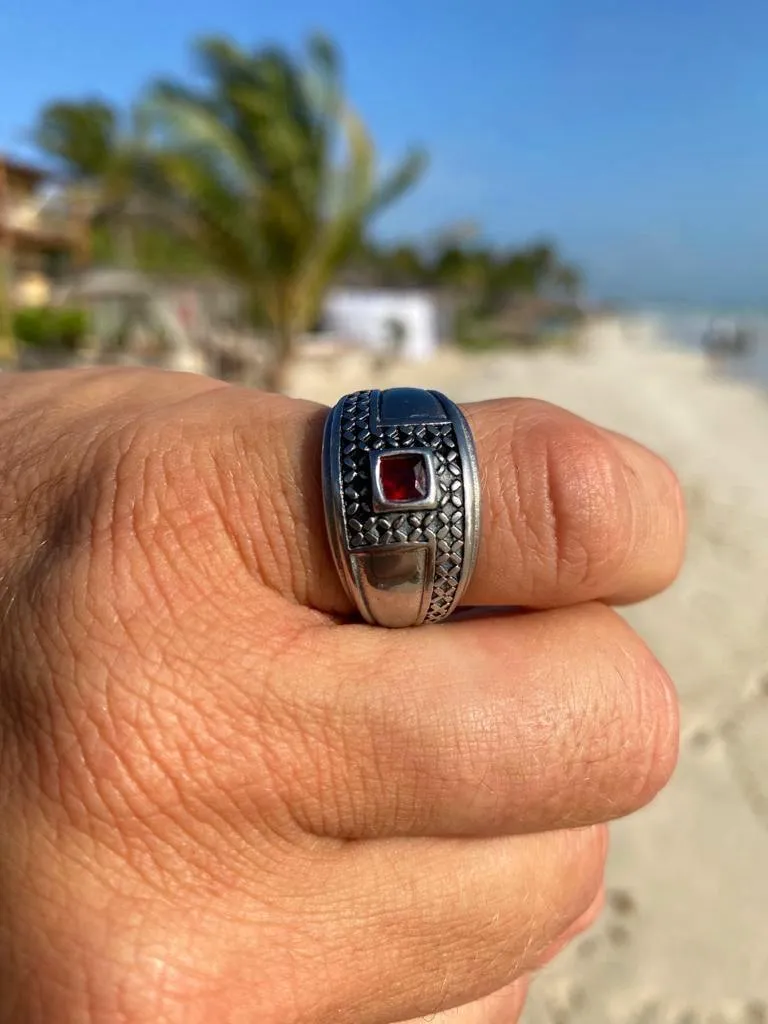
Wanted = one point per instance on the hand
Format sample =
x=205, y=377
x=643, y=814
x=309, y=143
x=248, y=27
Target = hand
x=221, y=803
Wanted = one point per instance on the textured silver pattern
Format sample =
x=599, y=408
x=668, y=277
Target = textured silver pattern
x=445, y=526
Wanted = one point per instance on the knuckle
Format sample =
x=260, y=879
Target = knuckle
x=251, y=473
x=591, y=862
x=586, y=528
x=583, y=853
x=315, y=744
x=568, y=870
x=271, y=500
x=140, y=511
x=658, y=725
x=611, y=744
x=638, y=738
x=262, y=498
x=565, y=503
x=162, y=466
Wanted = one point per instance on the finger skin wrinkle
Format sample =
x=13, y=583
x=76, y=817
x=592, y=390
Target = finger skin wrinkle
x=211, y=792
x=265, y=500
x=278, y=503
x=557, y=499
x=559, y=720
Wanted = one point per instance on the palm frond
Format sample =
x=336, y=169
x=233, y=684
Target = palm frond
x=81, y=136
x=399, y=181
x=181, y=119
x=270, y=168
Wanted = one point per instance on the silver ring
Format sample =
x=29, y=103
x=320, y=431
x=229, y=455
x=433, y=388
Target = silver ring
x=402, y=503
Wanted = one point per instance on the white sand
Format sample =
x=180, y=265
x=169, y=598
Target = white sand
x=685, y=937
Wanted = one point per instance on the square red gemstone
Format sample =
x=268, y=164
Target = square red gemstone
x=403, y=477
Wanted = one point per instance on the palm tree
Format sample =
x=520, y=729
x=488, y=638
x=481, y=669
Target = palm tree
x=89, y=146
x=81, y=137
x=93, y=147
x=272, y=172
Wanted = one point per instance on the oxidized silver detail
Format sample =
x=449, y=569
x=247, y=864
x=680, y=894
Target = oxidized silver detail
x=411, y=564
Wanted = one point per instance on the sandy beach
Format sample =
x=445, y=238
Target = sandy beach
x=684, y=937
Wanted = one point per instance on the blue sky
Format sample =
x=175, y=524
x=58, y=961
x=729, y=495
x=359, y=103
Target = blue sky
x=633, y=131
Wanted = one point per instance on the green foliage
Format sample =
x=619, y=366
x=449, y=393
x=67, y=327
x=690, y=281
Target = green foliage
x=483, y=339
x=94, y=149
x=271, y=172
x=501, y=298
x=487, y=278
x=260, y=171
x=153, y=250
x=51, y=327
x=82, y=137
x=481, y=342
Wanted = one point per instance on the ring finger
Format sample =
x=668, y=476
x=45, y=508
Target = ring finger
x=571, y=513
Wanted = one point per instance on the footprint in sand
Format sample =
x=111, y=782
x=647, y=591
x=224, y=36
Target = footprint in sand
x=741, y=736
x=735, y=1012
x=744, y=736
x=700, y=739
x=621, y=902
x=618, y=935
x=570, y=1004
x=615, y=930
x=755, y=1012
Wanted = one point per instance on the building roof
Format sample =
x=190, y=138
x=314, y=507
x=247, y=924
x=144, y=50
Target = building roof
x=22, y=168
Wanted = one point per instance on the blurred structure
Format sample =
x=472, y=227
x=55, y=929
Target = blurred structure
x=39, y=240
x=235, y=225
x=724, y=338
x=403, y=324
x=197, y=324
x=181, y=324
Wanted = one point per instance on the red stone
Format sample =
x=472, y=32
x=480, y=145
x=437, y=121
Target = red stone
x=403, y=477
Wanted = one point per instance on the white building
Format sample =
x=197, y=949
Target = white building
x=385, y=320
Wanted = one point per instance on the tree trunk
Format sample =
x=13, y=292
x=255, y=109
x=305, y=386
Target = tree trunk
x=7, y=344
x=6, y=319
x=123, y=245
x=276, y=378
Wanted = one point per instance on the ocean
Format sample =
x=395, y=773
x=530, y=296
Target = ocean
x=686, y=329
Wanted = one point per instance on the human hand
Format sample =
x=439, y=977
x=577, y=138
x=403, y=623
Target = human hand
x=223, y=803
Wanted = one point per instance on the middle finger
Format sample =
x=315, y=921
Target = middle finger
x=488, y=727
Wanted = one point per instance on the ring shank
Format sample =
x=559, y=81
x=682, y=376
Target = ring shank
x=407, y=560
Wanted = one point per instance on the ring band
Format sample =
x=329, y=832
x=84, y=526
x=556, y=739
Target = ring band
x=402, y=503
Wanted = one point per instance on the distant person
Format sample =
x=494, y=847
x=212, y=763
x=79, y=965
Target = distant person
x=724, y=339
x=222, y=799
